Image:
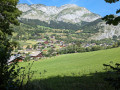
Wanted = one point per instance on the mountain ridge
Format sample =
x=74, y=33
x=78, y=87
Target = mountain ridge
x=69, y=16
x=66, y=13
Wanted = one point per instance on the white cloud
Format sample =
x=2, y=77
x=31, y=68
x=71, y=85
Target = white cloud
x=30, y=1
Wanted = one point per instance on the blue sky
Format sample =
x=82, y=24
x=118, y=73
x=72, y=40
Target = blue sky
x=96, y=6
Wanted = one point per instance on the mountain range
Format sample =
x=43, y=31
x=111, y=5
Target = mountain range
x=66, y=13
x=69, y=15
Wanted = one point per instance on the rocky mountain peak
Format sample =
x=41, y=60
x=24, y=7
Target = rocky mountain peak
x=68, y=6
x=67, y=13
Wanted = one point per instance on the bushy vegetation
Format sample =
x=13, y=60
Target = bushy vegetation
x=113, y=77
x=8, y=16
x=76, y=48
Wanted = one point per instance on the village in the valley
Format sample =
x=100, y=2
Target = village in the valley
x=43, y=48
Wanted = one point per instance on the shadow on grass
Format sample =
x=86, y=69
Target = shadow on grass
x=94, y=81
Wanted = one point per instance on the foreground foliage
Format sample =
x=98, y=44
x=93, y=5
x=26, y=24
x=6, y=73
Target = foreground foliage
x=112, y=19
x=8, y=16
x=113, y=75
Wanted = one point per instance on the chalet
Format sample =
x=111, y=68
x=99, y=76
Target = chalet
x=61, y=42
x=15, y=58
x=52, y=46
x=87, y=45
x=46, y=42
x=57, y=42
x=53, y=37
x=62, y=46
x=36, y=54
x=51, y=41
x=93, y=44
x=49, y=45
x=29, y=49
x=45, y=50
x=40, y=41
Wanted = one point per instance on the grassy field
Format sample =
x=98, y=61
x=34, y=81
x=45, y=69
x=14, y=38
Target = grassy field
x=28, y=42
x=66, y=72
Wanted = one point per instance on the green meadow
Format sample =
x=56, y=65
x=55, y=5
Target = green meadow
x=82, y=71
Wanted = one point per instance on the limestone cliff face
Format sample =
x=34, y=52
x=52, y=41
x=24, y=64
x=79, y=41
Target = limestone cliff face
x=107, y=31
